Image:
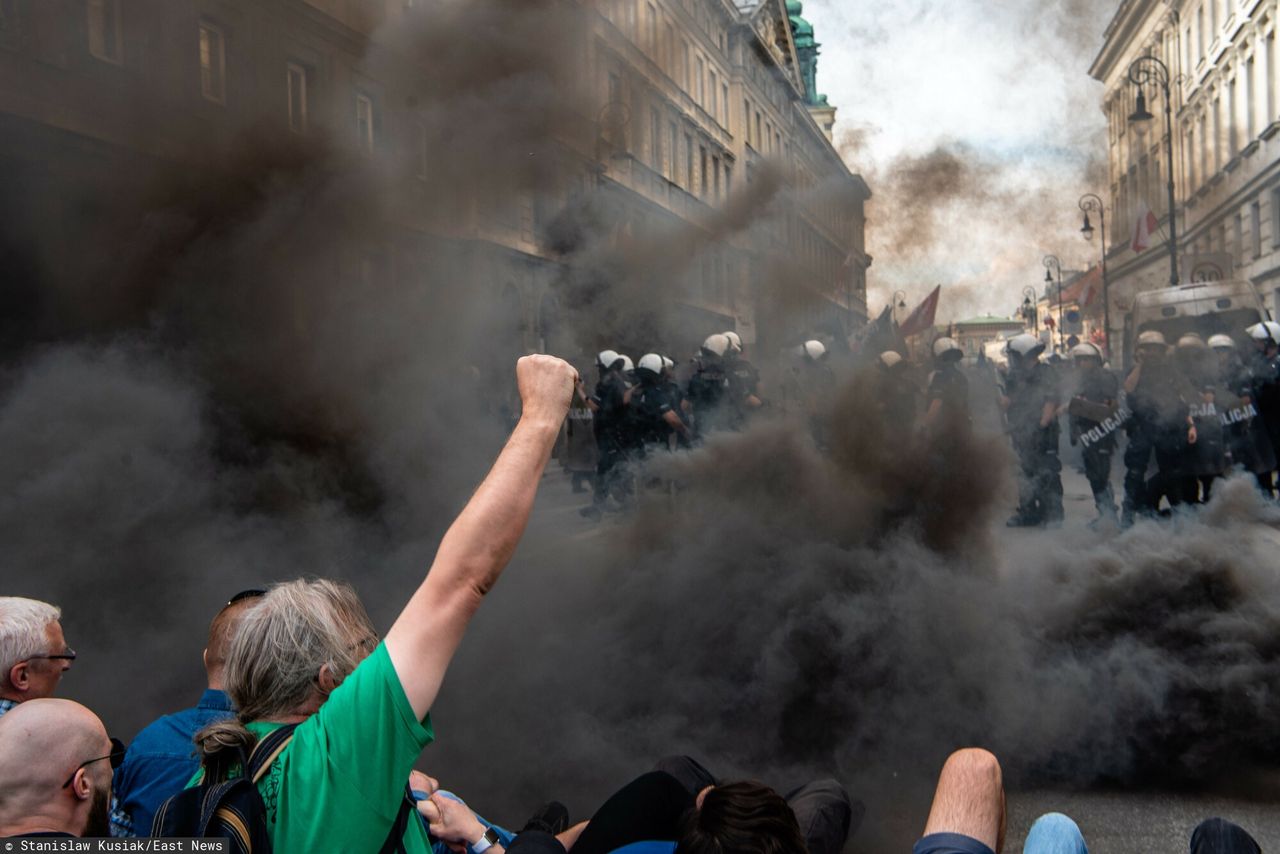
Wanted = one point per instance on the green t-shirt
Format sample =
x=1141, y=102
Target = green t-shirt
x=338, y=784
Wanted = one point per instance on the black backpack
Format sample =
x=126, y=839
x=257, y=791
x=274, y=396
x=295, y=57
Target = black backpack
x=233, y=809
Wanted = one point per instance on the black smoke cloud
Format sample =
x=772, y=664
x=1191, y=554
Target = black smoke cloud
x=213, y=393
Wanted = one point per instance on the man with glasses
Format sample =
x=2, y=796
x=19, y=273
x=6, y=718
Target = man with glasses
x=55, y=770
x=33, y=652
x=162, y=758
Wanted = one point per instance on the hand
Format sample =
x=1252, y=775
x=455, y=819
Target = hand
x=451, y=821
x=1191, y=435
x=546, y=387
x=420, y=782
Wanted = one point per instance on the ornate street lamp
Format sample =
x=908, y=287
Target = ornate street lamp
x=1091, y=203
x=1051, y=263
x=1144, y=70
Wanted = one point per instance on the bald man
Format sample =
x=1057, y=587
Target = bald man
x=55, y=770
x=162, y=758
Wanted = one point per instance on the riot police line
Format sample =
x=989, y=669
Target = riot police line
x=1192, y=411
x=638, y=408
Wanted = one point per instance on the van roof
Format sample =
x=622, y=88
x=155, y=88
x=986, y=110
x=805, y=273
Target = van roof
x=1197, y=291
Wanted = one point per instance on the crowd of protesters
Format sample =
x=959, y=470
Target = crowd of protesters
x=308, y=730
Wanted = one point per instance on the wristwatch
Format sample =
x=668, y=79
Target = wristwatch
x=484, y=843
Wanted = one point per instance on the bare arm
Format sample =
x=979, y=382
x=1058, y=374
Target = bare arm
x=482, y=539
x=1131, y=381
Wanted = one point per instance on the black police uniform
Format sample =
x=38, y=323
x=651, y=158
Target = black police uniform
x=1266, y=397
x=1100, y=386
x=897, y=396
x=948, y=385
x=650, y=403
x=1040, y=487
x=1160, y=404
x=610, y=431
x=1206, y=460
x=709, y=396
x=744, y=383
x=1247, y=443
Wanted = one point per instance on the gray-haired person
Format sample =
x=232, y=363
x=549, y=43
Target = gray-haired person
x=307, y=654
x=33, y=652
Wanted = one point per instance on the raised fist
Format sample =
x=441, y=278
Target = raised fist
x=546, y=387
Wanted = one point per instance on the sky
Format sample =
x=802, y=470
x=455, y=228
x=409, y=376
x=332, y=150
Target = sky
x=978, y=128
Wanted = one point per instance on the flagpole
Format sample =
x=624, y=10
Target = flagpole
x=1143, y=70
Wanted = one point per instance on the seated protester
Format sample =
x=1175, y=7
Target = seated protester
x=681, y=808
x=55, y=770
x=967, y=816
x=1219, y=836
x=306, y=654
x=33, y=652
x=162, y=758
x=1055, y=833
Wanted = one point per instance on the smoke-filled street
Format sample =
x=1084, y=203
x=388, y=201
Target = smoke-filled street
x=646, y=426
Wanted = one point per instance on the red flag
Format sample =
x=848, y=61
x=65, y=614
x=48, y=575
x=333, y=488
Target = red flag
x=1144, y=228
x=922, y=318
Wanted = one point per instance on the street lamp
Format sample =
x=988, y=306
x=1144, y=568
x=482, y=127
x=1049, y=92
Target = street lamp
x=1091, y=203
x=1051, y=262
x=1029, y=312
x=1144, y=70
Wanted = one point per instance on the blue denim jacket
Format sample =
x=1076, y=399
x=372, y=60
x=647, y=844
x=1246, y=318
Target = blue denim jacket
x=159, y=763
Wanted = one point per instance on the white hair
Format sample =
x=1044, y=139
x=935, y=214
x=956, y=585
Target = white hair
x=24, y=630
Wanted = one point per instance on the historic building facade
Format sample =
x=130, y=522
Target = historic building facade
x=1221, y=56
x=685, y=101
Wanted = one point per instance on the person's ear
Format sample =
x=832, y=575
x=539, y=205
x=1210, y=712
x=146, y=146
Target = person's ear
x=20, y=676
x=81, y=785
x=326, y=680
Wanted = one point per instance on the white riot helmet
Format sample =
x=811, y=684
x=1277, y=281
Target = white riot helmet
x=627, y=366
x=1221, y=342
x=890, y=359
x=668, y=364
x=1152, y=338
x=652, y=363
x=1191, y=341
x=735, y=341
x=716, y=345
x=947, y=350
x=1085, y=350
x=608, y=359
x=1268, y=330
x=1024, y=346
x=813, y=350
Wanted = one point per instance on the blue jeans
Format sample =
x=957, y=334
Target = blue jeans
x=1054, y=833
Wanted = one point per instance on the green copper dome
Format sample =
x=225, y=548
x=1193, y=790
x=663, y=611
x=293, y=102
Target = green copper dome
x=806, y=52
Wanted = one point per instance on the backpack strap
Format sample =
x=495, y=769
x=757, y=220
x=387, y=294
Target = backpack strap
x=394, y=843
x=268, y=748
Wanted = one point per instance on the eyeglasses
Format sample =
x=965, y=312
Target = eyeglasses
x=116, y=756
x=69, y=655
x=251, y=593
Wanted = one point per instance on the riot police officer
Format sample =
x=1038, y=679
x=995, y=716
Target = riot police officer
x=609, y=410
x=1094, y=402
x=1161, y=424
x=1031, y=406
x=1265, y=368
x=896, y=393
x=947, y=397
x=709, y=386
x=655, y=417
x=744, y=381
x=1206, y=460
x=1247, y=444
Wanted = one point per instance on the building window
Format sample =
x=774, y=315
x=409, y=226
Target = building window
x=1201, y=45
x=1271, y=77
x=759, y=132
x=296, y=95
x=213, y=64
x=1250, y=100
x=724, y=104
x=714, y=87
x=104, y=30
x=1233, y=126
x=701, y=95
x=728, y=178
x=364, y=122
x=704, y=185
x=746, y=120
x=1255, y=228
x=655, y=139
x=673, y=155
x=1237, y=243
x=715, y=175
x=685, y=64
x=690, y=182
